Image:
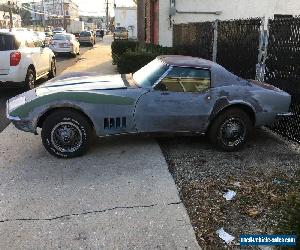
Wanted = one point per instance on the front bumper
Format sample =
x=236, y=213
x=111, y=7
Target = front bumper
x=23, y=124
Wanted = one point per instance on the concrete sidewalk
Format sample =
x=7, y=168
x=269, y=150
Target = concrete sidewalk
x=118, y=196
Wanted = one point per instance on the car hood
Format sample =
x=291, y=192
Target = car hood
x=84, y=82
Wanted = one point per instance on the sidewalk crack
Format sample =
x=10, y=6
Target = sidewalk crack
x=85, y=213
x=76, y=214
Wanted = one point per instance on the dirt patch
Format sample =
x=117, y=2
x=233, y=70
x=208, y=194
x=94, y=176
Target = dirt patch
x=262, y=175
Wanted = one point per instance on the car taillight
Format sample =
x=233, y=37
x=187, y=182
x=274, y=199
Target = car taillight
x=15, y=58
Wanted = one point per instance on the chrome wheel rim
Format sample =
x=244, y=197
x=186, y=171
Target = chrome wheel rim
x=66, y=137
x=31, y=81
x=233, y=132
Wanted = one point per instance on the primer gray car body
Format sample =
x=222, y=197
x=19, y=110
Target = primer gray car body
x=116, y=104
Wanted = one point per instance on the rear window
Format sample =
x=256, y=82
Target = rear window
x=62, y=37
x=8, y=42
x=85, y=33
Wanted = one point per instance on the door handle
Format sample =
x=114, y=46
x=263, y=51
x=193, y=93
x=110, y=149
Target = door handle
x=165, y=93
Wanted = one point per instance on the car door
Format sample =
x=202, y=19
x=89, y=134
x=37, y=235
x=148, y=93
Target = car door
x=34, y=53
x=178, y=103
x=44, y=56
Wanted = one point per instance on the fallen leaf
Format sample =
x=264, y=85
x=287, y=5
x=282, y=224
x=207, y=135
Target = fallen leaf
x=253, y=212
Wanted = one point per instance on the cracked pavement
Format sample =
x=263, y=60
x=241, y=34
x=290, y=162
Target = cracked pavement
x=119, y=196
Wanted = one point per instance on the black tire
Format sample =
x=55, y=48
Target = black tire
x=66, y=134
x=30, y=80
x=230, y=130
x=52, y=72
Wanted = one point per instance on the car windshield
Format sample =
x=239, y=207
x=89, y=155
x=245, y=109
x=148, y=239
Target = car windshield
x=62, y=37
x=85, y=33
x=149, y=74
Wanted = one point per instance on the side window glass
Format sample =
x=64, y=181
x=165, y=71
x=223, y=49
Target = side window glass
x=186, y=80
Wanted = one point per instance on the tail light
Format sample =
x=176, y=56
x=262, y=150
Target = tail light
x=15, y=58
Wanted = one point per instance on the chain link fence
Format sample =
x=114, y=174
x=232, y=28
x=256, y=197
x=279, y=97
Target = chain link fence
x=194, y=39
x=236, y=43
x=237, y=47
x=283, y=70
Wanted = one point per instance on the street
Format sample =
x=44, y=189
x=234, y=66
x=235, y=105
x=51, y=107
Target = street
x=62, y=62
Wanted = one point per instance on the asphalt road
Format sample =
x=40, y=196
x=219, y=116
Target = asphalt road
x=62, y=62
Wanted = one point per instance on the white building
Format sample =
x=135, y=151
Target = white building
x=57, y=12
x=185, y=11
x=127, y=17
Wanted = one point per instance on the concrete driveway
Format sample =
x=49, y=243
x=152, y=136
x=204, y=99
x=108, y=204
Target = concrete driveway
x=119, y=196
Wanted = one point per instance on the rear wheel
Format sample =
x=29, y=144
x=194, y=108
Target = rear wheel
x=230, y=129
x=30, y=79
x=66, y=134
x=52, y=72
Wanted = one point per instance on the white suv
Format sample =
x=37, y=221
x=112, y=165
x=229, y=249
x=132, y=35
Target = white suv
x=23, y=60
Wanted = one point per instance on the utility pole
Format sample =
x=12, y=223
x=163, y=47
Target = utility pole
x=43, y=16
x=107, y=8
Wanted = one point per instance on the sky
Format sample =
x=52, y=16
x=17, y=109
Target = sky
x=98, y=6
x=95, y=7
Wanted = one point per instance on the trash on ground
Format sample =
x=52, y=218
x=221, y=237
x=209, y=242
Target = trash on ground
x=229, y=195
x=225, y=236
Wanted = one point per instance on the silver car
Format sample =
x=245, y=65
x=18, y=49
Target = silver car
x=65, y=43
x=172, y=94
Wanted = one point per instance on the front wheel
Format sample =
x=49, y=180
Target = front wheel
x=230, y=129
x=66, y=134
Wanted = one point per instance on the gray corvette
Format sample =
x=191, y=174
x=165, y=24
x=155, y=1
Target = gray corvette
x=172, y=94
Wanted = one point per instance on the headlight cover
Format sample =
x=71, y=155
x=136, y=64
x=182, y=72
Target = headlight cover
x=13, y=104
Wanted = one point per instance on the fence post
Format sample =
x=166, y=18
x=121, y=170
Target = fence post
x=262, y=51
x=215, y=41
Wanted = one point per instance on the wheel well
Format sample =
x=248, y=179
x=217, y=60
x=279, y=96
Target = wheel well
x=31, y=66
x=247, y=109
x=47, y=113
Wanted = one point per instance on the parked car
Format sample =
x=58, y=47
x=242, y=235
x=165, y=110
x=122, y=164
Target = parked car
x=23, y=60
x=41, y=36
x=87, y=37
x=172, y=94
x=120, y=33
x=65, y=43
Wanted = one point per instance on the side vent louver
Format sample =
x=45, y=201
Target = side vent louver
x=115, y=123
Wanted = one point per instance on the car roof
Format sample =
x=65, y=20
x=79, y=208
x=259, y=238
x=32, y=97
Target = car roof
x=186, y=61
